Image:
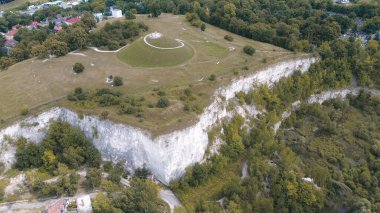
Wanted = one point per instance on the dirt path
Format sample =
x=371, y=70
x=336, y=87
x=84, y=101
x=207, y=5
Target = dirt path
x=169, y=197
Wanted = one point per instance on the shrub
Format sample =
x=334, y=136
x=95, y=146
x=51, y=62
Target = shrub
x=129, y=15
x=24, y=112
x=78, y=68
x=117, y=81
x=228, y=38
x=163, y=102
x=249, y=50
x=212, y=77
x=203, y=27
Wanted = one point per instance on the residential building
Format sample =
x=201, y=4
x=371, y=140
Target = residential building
x=84, y=204
x=72, y=21
x=9, y=35
x=116, y=13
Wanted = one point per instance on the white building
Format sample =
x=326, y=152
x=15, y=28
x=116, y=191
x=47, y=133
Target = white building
x=98, y=16
x=116, y=13
x=84, y=204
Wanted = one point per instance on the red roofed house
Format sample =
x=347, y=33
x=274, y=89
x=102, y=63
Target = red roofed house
x=34, y=24
x=16, y=26
x=10, y=34
x=72, y=21
x=57, y=28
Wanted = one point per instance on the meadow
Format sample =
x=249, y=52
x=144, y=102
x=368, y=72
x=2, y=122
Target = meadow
x=36, y=84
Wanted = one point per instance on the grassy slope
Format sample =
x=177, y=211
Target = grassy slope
x=164, y=41
x=139, y=54
x=35, y=84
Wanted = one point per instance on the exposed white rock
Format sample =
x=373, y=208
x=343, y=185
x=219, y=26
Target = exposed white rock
x=322, y=97
x=168, y=155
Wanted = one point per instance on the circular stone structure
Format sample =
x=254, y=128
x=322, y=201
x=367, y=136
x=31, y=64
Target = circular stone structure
x=155, y=39
x=156, y=50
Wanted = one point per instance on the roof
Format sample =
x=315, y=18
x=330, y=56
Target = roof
x=10, y=43
x=11, y=33
x=16, y=26
x=73, y=20
x=84, y=203
x=58, y=28
x=34, y=23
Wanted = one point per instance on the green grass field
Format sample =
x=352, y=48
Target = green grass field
x=139, y=54
x=41, y=84
x=164, y=42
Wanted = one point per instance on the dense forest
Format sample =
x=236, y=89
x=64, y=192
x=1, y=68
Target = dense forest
x=336, y=144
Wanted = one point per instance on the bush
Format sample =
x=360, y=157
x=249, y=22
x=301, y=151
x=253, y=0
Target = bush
x=249, y=50
x=228, y=38
x=203, y=27
x=163, y=102
x=129, y=15
x=212, y=77
x=117, y=81
x=24, y=112
x=78, y=68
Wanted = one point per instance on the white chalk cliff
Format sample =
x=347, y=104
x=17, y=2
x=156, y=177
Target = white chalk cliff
x=166, y=156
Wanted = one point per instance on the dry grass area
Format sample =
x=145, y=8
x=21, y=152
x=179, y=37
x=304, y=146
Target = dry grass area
x=17, y=3
x=40, y=84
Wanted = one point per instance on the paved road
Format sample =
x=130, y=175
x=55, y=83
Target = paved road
x=170, y=199
x=30, y=205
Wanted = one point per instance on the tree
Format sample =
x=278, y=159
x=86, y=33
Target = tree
x=19, y=53
x=163, y=102
x=155, y=10
x=129, y=15
x=55, y=47
x=142, y=173
x=28, y=155
x=39, y=51
x=49, y=159
x=74, y=37
x=101, y=204
x=203, y=27
x=88, y=20
x=6, y=62
x=249, y=50
x=117, y=81
x=93, y=178
x=78, y=67
x=228, y=37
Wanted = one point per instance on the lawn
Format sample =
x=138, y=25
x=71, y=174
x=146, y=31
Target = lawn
x=139, y=54
x=40, y=84
x=164, y=42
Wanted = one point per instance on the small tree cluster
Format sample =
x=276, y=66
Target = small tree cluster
x=249, y=50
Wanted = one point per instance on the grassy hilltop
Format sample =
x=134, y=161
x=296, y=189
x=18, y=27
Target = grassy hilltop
x=39, y=84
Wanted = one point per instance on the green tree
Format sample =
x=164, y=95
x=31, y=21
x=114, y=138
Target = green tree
x=101, y=204
x=55, y=47
x=163, y=102
x=6, y=62
x=39, y=51
x=249, y=50
x=203, y=27
x=117, y=81
x=78, y=67
x=93, y=178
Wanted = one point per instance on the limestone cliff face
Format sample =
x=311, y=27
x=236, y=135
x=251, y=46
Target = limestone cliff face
x=166, y=156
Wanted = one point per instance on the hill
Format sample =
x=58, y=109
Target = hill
x=39, y=84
